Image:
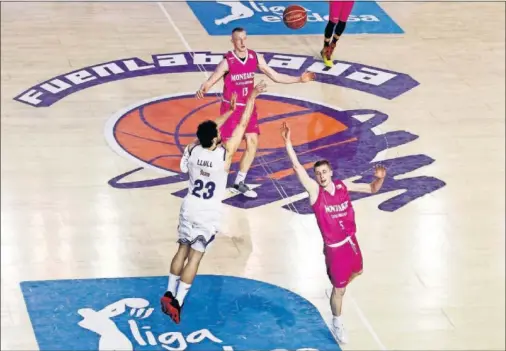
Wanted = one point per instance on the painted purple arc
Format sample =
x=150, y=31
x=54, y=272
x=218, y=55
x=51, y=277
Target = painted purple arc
x=188, y=115
x=145, y=121
x=143, y=138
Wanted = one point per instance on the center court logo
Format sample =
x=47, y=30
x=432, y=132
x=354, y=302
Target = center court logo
x=221, y=313
x=266, y=17
x=152, y=133
x=152, y=138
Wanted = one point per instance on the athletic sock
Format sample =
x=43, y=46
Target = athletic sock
x=241, y=176
x=172, y=286
x=336, y=321
x=182, y=290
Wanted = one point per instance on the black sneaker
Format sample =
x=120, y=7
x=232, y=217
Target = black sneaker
x=242, y=188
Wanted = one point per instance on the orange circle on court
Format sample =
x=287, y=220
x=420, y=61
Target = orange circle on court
x=157, y=132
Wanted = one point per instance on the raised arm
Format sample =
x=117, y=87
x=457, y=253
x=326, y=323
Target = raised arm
x=283, y=78
x=218, y=73
x=183, y=164
x=235, y=140
x=380, y=173
x=223, y=118
x=307, y=182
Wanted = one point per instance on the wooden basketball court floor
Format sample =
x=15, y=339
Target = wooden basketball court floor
x=434, y=269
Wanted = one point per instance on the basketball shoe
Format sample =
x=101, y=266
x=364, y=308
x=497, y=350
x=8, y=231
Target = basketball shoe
x=326, y=54
x=170, y=306
x=242, y=188
x=339, y=332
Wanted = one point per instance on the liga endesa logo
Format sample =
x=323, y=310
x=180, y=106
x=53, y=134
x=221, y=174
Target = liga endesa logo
x=124, y=314
x=154, y=133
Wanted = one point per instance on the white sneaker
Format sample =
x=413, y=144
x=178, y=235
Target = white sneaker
x=242, y=188
x=339, y=333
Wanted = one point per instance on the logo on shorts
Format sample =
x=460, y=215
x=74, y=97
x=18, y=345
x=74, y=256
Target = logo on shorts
x=266, y=17
x=151, y=138
x=124, y=314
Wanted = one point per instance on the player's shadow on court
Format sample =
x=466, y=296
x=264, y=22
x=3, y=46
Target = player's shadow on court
x=254, y=303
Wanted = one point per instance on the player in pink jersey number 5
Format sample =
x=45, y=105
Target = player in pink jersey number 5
x=238, y=71
x=335, y=216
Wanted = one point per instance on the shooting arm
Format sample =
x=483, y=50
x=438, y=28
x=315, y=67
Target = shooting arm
x=218, y=73
x=275, y=76
x=183, y=164
x=309, y=184
x=223, y=118
x=370, y=188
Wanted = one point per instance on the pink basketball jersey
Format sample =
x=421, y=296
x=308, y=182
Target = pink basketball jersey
x=240, y=77
x=334, y=214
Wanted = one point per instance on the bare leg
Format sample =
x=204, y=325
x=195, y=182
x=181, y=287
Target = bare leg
x=188, y=275
x=190, y=270
x=179, y=259
x=336, y=301
x=247, y=159
x=249, y=155
x=336, y=304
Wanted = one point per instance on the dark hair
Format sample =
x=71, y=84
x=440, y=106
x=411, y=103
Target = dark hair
x=238, y=29
x=206, y=132
x=321, y=163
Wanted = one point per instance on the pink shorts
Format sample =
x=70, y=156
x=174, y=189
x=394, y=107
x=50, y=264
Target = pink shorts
x=340, y=10
x=343, y=262
x=228, y=127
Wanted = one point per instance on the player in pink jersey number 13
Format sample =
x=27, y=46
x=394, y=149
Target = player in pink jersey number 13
x=238, y=69
x=335, y=216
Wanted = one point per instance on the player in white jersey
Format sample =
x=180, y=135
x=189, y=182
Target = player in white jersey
x=207, y=163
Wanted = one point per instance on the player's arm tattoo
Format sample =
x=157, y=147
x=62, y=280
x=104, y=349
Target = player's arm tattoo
x=307, y=182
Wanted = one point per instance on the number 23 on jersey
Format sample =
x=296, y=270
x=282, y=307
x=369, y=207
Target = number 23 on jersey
x=199, y=191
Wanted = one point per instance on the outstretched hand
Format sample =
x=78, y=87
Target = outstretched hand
x=201, y=92
x=233, y=101
x=285, y=132
x=380, y=171
x=307, y=77
x=259, y=88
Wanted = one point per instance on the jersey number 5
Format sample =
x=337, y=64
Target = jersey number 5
x=199, y=185
x=341, y=224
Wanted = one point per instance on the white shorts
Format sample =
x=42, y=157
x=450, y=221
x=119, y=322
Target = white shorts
x=197, y=235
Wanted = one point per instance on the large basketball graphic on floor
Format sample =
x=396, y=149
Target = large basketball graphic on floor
x=157, y=132
x=220, y=313
x=154, y=133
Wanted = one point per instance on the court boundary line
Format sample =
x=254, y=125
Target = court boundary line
x=361, y=315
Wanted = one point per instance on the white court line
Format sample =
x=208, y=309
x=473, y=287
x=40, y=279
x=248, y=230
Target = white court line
x=361, y=315
x=368, y=325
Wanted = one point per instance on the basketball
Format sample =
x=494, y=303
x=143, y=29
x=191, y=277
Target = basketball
x=295, y=16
